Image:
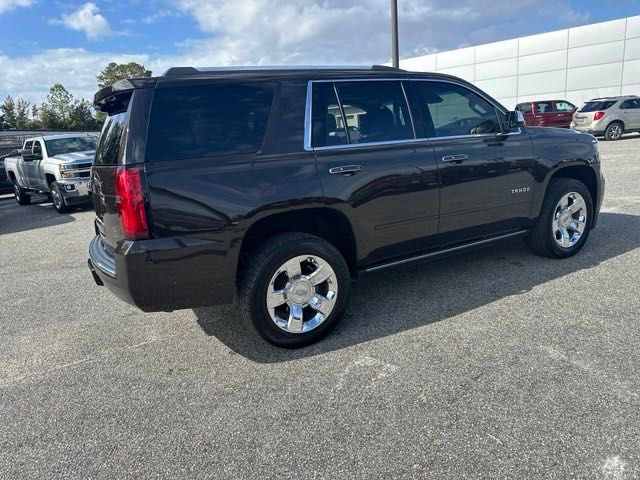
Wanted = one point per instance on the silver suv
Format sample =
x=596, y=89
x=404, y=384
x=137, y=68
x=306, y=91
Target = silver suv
x=610, y=117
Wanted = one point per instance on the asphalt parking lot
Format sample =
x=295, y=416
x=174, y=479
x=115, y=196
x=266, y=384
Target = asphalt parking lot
x=494, y=364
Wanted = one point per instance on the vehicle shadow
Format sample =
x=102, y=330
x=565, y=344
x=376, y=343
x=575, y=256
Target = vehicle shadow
x=413, y=296
x=19, y=218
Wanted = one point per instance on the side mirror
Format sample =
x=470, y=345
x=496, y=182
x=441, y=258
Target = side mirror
x=515, y=119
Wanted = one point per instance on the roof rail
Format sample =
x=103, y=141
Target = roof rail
x=183, y=71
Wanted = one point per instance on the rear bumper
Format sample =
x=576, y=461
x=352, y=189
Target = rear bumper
x=591, y=129
x=165, y=274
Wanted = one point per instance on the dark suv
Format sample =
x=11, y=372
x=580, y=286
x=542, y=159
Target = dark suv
x=281, y=185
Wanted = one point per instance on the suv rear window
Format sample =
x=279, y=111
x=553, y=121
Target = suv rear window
x=207, y=120
x=113, y=129
x=599, y=105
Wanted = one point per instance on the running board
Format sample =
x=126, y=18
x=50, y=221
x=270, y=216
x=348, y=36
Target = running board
x=446, y=251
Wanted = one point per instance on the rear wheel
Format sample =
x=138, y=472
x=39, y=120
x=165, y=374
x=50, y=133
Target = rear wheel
x=614, y=131
x=57, y=199
x=21, y=196
x=565, y=219
x=294, y=289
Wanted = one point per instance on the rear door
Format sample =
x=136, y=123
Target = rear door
x=631, y=110
x=544, y=114
x=486, y=176
x=371, y=165
x=527, y=112
x=24, y=166
x=109, y=155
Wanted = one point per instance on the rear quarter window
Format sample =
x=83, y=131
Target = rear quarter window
x=111, y=140
x=208, y=120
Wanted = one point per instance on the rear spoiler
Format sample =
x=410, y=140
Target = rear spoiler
x=110, y=98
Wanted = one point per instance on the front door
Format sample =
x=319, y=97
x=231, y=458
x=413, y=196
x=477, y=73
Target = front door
x=486, y=175
x=631, y=110
x=36, y=176
x=563, y=113
x=373, y=168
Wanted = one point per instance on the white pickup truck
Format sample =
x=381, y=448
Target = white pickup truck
x=55, y=164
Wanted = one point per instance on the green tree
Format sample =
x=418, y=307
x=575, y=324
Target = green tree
x=120, y=71
x=22, y=113
x=81, y=116
x=55, y=113
x=35, y=122
x=8, y=109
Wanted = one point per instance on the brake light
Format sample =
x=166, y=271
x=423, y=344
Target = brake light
x=598, y=116
x=133, y=216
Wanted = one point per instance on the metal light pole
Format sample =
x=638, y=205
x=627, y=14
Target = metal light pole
x=394, y=34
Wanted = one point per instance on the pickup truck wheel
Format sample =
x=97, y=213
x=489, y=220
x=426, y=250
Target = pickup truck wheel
x=294, y=289
x=21, y=196
x=565, y=220
x=57, y=199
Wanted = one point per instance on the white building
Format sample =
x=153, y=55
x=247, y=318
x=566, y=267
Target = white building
x=576, y=64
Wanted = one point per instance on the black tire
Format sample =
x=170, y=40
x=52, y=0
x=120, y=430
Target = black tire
x=58, y=199
x=256, y=276
x=542, y=238
x=614, y=131
x=22, y=197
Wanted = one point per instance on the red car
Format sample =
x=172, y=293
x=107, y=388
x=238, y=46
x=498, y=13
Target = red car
x=547, y=113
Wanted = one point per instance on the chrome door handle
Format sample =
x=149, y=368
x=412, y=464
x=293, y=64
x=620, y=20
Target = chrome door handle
x=345, y=170
x=455, y=158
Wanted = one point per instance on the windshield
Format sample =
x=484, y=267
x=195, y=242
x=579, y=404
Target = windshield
x=595, y=106
x=60, y=146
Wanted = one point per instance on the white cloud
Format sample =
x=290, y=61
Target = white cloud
x=276, y=32
x=6, y=5
x=351, y=31
x=31, y=77
x=87, y=19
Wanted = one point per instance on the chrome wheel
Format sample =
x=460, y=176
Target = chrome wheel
x=302, y=294
x=569, y=220
x=614, y=131
x=16, y=191
x=56, y=197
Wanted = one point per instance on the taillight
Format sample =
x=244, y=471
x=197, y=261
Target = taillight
x=597, y=116
x=133, y=216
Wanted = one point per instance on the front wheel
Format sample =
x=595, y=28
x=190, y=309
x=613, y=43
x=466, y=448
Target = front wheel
x=57, y=199
x=21, y=196
x=294, y=289
x=565, y=219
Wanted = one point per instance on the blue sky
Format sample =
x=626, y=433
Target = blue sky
x=70, y=41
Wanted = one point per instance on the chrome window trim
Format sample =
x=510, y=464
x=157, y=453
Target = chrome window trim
x=345, y=125
x=308, y=113
x=406, y=100
x=363, y=145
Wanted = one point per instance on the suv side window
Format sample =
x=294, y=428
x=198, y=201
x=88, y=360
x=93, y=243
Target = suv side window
x=37, y=147
x=328, y=127
x=564, y=107
x=524, y=107
x=207, y=120
x=375, y=111
x=543, y=107
x=28, y=146
x=630, y=104
x=453, y=110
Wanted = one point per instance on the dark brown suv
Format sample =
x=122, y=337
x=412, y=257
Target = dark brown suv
x=280, y=186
